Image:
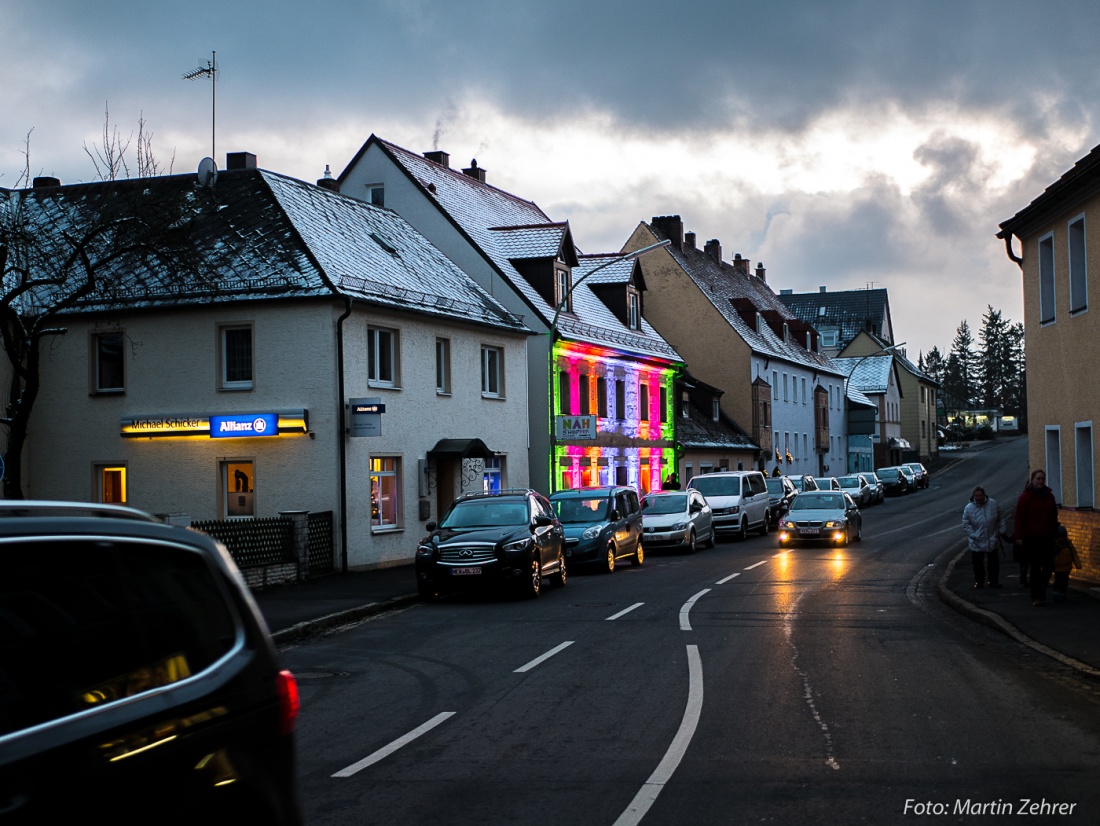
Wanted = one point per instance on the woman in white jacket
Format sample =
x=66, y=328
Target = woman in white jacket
x=981, y=521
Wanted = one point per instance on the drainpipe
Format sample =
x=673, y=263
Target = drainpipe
x=1008, y=249
x=343, y=436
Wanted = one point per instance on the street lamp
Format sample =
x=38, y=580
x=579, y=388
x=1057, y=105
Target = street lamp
x=627, y=256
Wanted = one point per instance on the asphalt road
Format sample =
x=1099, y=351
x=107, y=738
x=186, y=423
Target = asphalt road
x=738, y=685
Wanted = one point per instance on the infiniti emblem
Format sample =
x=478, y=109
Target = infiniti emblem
x=465, y=552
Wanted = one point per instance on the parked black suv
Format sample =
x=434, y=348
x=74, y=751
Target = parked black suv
x=137, y=678
x=509, y=538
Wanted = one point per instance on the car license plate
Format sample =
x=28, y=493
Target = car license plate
x=464, y=571
x=809, y=531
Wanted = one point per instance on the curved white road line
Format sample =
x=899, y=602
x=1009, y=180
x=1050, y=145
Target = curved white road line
x=663, y=773
x=685, y=620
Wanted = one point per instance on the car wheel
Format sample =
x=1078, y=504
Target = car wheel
x=859, y=531
x=609, y=565
x=710, y=539
x=561, y=576
x=743, y=529
x=846, y=541
x=689, y=548
x=639, y=554
x=533, y=584
x=766, y=527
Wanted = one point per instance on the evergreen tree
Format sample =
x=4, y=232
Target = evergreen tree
x=932, y=365
x=994, y=367
x=962, y=379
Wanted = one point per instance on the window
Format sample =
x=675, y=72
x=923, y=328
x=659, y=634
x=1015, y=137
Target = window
x=1078, y=268
x=110, y=375
x=235, y=344
x=239, y=489
x=381, y=357
x=715, y=409
x=1082, y=434
x=491, y=475
x=1046, y=279
x=582, y=391
x=620, y=399
x=376, y=194
x=643, y=402
x=803, y=390
x=564, y=392
x=633, y=314
x=492, y=372
x=443, y=366
x=111, y=484
x=663, y=401
x=563, y=295
x=601, y=397
x=785, y=396
x=1053, y=456
x=385, y=487
x=775, y=385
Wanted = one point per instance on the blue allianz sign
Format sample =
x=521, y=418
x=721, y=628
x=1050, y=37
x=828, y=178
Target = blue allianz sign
x=249, y=424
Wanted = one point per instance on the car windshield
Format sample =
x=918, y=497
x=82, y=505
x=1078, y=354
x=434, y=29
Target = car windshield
x=580, y=510
x=849, y=481
x=717, y=485
x=887, y=473
x=775, y=486
x=818, y=500
x=669, y=503
x=486, y=513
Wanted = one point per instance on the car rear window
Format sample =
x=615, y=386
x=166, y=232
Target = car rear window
x=88, y=622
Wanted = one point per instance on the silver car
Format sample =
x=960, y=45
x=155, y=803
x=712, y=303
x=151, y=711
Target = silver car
x=857, y=486
x=821, y=516
x=677, y=519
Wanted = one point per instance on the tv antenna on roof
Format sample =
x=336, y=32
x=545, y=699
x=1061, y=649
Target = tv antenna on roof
x=210, y=70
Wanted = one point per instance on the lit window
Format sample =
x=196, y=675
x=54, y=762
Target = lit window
x=111, y=482
x=381, y=357
x=110, y=375
x=239, y=489
x=491, y=475
x=492, y=372
x=235, y=343
x=443, y=366
x=385, y=487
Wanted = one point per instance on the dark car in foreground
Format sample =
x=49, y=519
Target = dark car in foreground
x=137, y=678
x=781, y=491
x=677, y=519
x=602, y=524
x=822, y=516
x=509, y=538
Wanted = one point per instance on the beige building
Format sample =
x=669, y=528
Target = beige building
x=1050, y=241
x=344, y=365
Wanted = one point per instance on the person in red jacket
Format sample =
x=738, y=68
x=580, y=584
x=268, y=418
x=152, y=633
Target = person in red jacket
x=1036, y=532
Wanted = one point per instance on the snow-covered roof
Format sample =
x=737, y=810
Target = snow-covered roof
x=258, y=234
x=506, y=228
x=869, y=374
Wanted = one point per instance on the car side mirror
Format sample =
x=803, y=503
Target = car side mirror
x=430, y=526
x=542, y=521
x=615, y=515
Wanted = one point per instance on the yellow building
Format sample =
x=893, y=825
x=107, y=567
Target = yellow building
x=1049, y=241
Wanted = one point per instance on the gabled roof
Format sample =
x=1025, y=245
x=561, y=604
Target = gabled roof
x=1079, y=182
x=899, y=358
x=501, y=225
x=699, y=430
x=868, y=374
x=849, y=310
x=265, y=235
x=739, y=296
x=536, y=241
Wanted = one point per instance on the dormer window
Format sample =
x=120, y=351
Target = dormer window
x=633, y=310
x=563, y=283
x=715, y=410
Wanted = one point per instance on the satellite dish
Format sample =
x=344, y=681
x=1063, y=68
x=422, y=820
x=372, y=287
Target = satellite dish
x=208, y=172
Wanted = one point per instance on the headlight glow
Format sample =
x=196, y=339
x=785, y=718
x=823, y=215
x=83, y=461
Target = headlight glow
x=593, y=532
x=519, y=545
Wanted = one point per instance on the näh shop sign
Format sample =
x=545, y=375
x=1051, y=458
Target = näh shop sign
x=217, y=426
x=575, y=427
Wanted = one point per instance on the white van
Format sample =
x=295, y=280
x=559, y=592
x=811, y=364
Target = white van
x=739, y=499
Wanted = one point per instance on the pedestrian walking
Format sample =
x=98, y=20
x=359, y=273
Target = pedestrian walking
x=1065, y=560
x=1035, y=532
x=982, y=520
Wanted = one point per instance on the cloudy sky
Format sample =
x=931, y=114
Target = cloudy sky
x=843, y=143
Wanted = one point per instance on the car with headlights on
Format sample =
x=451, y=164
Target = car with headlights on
x=677, y=519
x=857, y=486
x=602, y=525
x=508, y=538
x=138, y=680
x=781, y=491
x=827, y=516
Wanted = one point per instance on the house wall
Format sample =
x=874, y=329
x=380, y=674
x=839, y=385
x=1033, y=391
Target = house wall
x=793, y=418
x=407, y=200
x=172, y=369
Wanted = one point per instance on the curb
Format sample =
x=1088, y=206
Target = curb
x=309, y=628
x=998, y=622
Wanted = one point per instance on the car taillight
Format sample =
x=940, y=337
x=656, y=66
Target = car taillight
x=287, y=688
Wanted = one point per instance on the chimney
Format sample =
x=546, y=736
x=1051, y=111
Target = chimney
x=440, y=157
x=821, y=289
x=328, y=182
x=740, y=264
x=761, y=272
x=671, y=227
x=689, y=240
x=239, y=160
x=475, y=171
x=713, y=248
x=44, y=182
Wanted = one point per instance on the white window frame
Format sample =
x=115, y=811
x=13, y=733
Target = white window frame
x=378, y=365
x=1083, y=452
x=376, y=195
x=563, y=292
x=392, y=472
x=633, y=312
x=1077, y=255
x=1052, y=455
x=98, y=339
x=225, y=382
x=1047, y=291
x=492, y=372
x=443, y=366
